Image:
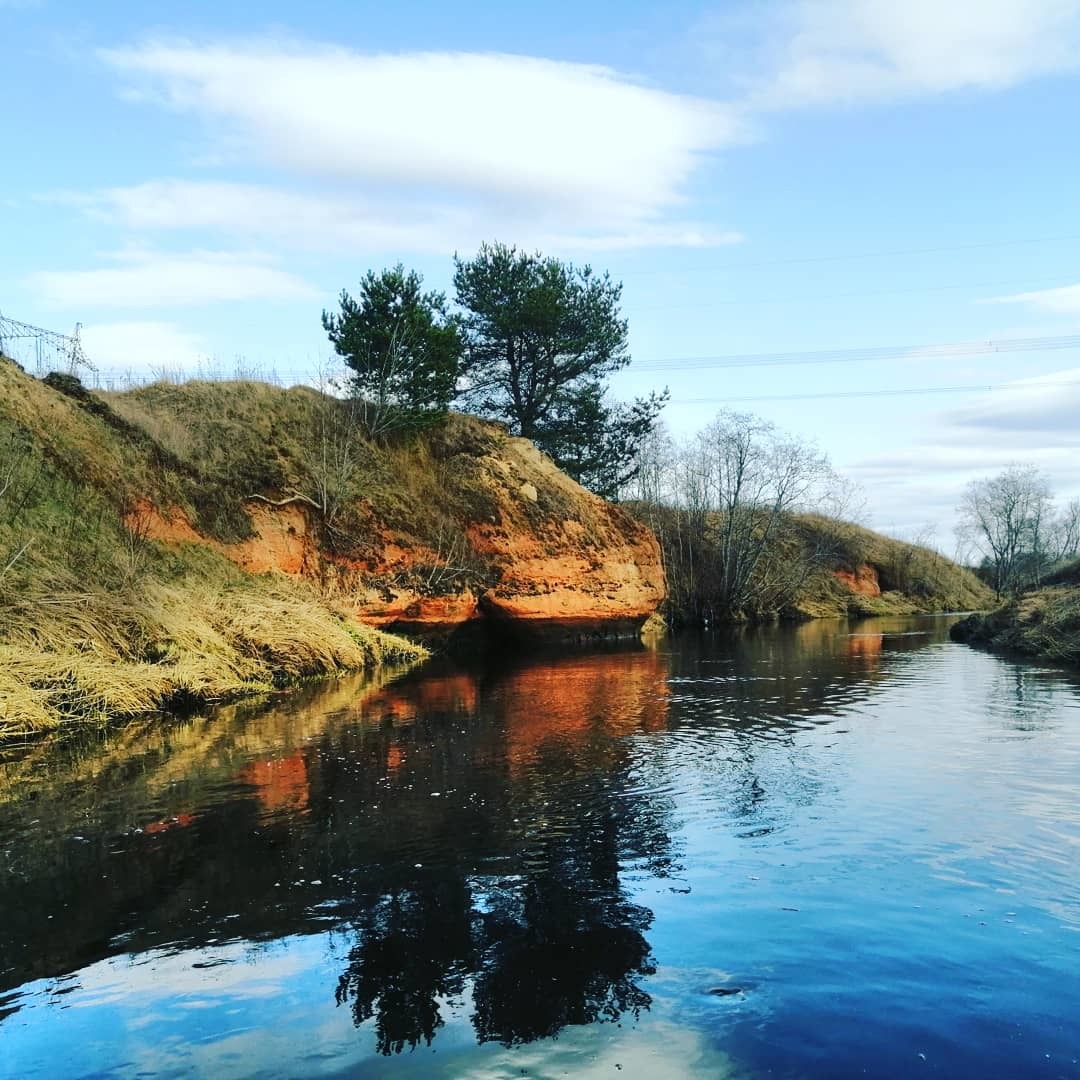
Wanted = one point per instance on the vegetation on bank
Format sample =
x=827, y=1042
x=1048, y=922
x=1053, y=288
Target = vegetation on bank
x=1044, y=622
x=1011, y=524
x=731, y=511
x=1028, y=549
x=815, y=567
x=224, y=445
x=95, y=619
x=530, y=343
x=913, y=578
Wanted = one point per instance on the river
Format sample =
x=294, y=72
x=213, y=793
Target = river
x=829, y=850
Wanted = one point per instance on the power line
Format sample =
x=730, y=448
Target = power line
x=675, y=364
x=892, y=392
x=799, y=260
x=961, y=349
x=49, y=348
x=1024, y=283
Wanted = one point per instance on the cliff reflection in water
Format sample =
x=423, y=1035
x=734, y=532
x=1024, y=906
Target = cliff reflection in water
x=524, y=905
x=465, y=840
x=467, y=827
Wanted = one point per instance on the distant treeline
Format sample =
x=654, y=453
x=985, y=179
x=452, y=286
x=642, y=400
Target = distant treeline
x=752, y=526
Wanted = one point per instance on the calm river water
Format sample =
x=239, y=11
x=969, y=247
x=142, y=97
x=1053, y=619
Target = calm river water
x=830, y=850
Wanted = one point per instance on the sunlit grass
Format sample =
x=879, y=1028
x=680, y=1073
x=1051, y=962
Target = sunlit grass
x=93, y=656
x=97, y=622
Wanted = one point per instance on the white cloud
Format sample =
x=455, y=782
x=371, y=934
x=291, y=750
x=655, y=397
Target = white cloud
x=1039, y=411
x=339, y=223
x=149, y=279
x=858, y=51
x=1061, y=301
x=264, y=213
x=1030, y=421
x=568, y=148
x=140, y=347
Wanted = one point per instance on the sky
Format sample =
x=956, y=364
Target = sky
x=821, y=210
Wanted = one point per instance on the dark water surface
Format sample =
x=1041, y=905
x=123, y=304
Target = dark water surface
x=829, y=850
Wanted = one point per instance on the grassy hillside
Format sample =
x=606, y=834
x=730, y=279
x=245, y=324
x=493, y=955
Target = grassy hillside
x=911, y=578
x=197, y=541
x=812, y=567
x=97, y=621
x=1044, y=622
x=456, y=528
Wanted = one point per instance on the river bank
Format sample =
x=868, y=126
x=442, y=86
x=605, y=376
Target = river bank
x=668, y=867
x=181, y=544
x=1044, y=622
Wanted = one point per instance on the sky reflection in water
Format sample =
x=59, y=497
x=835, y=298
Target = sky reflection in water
x=817, y=850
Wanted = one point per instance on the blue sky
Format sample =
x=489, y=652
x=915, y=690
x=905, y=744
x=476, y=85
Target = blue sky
x=194, y=181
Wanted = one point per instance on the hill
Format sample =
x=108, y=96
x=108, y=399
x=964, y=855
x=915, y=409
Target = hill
x=1044, y=622
x=861, y=572
x=187, y=543
x=809, y=566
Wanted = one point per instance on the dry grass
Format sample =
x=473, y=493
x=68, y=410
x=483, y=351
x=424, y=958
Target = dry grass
x=1050, y=625
x=94, y=656
x=913, y=578
x=40, y=690
x=1043, y=623
x=96, y=622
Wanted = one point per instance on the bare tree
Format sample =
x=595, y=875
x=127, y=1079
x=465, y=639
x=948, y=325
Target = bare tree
x=724, y=507
x=653, y=468
x=331, y=456
x=381, y=413
x=1067, y=533
x=1006, y=519
x=20, y=475
x=755, y=478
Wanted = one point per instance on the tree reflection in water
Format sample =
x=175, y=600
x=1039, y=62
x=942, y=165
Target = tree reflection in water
x=416, y=947
x=556, y=941
x=563, y=948
x=561, y=945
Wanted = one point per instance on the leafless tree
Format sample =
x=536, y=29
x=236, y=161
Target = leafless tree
x=1007, y=518
x=332, y=457
x=755, y=477
x=654, y=467
x=20, y=475
x=380, y=411
x=724, y=507
x=1067, y=533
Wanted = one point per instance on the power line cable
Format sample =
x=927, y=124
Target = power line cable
x=799, y=260
x=963, y=349
x=1026, y=284
x=890, y=392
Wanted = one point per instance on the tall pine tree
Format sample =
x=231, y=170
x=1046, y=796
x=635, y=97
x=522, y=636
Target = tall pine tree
x=542, y=336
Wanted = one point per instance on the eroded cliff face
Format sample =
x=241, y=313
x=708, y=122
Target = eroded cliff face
x=862, y=581
x=493, y=537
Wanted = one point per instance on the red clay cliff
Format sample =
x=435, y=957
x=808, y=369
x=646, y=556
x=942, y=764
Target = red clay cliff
x=491, y=535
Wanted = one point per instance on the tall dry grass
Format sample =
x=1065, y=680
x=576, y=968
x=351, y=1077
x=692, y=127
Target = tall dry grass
x=1046, y=623
x=94, y=655
x=97, y=622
